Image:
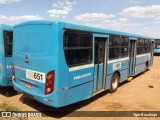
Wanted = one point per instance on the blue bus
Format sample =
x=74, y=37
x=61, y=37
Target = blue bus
x=6, y=40
x=58, y=63
x=157, y=47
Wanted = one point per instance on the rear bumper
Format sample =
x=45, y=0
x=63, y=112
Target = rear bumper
x=50, y=100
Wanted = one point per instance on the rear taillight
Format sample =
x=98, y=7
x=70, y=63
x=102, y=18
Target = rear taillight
x=50, y=82
x=13, y=74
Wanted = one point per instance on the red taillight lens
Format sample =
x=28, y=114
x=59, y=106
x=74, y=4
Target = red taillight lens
x=50, y=82
x=13, y=74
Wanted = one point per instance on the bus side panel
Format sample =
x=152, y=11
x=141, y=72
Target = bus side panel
x=80, y=77
x=108, y=81
x=82, y=80
x=124, y=75
x=2, y=60
x=140, y=63
x=80, y=92
x=61, y=69
x=74, y=94
x=139, y=68
x=71, y=89
x=78, y=89
x=123, y=69
x=8, y=61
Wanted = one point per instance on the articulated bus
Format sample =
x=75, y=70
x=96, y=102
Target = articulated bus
x=58, y=63
x=6, y=39
x=157, y=47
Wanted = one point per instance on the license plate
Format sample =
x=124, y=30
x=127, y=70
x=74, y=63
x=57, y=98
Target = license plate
x=29, y=86
x=35, y=75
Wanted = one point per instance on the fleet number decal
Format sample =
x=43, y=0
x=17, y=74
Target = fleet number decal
x=116, y=66
x=35, y=75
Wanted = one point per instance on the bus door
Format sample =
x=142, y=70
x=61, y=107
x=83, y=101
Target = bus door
x=8, y=40
x=100, y=61
x=132, y=56
x=152, y=52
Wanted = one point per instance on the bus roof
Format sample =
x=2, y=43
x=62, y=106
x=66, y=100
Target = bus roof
x=83, y=28
x=6, y=27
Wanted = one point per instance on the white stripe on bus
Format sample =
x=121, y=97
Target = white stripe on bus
x=81, y=67
x=143, y=55
x=118, y=60
x=110, y=61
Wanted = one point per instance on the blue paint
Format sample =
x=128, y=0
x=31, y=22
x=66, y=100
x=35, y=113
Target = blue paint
x=157, y=47
x=157, y=51
x=100, y=77
x=42, y=42
x=140, y=63
x=80, y=76
x=5, y=62
x=95, y=78
x=98, y=69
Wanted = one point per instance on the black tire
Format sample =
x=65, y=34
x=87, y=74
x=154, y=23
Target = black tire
x=146, y=67
x=114, y=83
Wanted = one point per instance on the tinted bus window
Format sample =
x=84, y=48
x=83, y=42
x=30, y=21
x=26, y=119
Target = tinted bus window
x=111, y=41
x=114, y=47
x=8, y=41
x=78, y=48
x=118, y=47
x=124, y=46
x=143, y=46
x=114, y=53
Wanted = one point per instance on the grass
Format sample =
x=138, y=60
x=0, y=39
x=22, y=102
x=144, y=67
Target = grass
x=7, y=107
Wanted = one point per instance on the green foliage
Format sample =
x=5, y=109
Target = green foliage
x=7, y=107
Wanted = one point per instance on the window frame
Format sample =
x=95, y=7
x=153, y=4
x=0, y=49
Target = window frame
x=143, y=46
x=6, y=44
x=113, y=46
x=75, y=48
x=120, y=46
x=126, y=46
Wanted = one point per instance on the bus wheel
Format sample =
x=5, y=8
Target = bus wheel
x=146, y=67
x=114, y=83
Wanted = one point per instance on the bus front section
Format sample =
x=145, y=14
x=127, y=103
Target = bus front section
x=33, y=63
x=157, y=47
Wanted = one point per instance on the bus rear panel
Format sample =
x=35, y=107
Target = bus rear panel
x=34, y=60
x=6, y=40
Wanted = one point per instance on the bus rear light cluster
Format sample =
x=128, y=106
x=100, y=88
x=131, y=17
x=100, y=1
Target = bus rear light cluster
x=9, y=79
x=13, y=74
x=49, y=88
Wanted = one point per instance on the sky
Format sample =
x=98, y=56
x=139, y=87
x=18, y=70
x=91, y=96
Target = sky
x=134, y=16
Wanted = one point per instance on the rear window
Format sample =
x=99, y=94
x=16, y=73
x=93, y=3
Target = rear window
x=35, y=39
x=8, y=41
